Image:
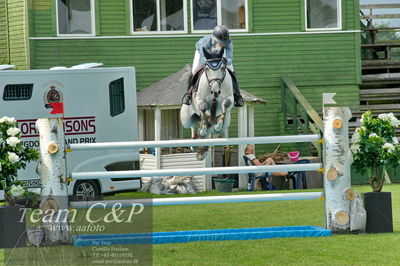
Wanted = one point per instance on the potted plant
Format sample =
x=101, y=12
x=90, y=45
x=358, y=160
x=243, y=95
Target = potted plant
x=224, y=184
x=13, y=156
x=375, y=148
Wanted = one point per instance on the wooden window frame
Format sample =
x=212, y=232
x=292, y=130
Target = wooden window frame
x=219, y=18
x=92, y=21
x=185, y=21
x=339, y=16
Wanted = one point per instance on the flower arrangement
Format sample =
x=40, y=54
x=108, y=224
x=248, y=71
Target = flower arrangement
x=13, y=154
x=375, y=147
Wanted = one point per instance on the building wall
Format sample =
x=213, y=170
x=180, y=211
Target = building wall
x=3, y=33
x=277, y=45
x=14, y=47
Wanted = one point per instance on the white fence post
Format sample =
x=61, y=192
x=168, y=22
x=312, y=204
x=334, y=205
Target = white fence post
x=337, y=161
x=54, y=188
x=157, y=135
x=242, y=133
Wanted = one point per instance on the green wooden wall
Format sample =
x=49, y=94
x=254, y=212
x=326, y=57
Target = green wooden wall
x=3, y=33
x=317, y=62
x=14, y=47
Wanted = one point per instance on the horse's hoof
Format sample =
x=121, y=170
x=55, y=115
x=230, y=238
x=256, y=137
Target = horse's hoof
x=218, y=128
x=203, y=133
x=217, y=131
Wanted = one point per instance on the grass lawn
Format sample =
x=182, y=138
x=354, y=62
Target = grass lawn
x=364, y=249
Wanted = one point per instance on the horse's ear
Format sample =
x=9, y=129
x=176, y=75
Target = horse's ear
x=206, y=53
x=221, y=52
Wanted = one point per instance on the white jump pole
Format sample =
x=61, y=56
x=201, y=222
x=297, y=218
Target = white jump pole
x=198, y=171
x=193, y=143
x=201, y=200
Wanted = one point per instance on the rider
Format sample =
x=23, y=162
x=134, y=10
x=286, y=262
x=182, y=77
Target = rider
x=218, y=39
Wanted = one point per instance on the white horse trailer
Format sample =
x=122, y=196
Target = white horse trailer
x=99, y=106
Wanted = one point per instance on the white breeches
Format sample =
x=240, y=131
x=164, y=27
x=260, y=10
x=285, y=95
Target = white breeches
x=196, y=63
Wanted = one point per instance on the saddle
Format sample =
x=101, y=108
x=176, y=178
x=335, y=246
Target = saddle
x=194, y=82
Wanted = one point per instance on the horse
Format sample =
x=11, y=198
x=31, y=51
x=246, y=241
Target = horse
x=212, y=101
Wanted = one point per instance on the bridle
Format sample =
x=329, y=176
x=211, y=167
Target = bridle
x=219, y=62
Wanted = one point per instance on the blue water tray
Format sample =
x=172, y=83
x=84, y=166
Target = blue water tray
x=200, y=235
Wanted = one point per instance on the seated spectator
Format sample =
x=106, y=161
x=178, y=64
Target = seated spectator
x=298, y=177
x=249, y=152
x=266, y=184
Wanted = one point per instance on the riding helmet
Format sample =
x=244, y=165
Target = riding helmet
x=221, y=33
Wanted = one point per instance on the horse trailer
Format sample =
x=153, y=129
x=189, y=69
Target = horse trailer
x=99, y=106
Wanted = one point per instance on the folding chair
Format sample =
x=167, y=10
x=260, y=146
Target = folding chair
x=252, y=176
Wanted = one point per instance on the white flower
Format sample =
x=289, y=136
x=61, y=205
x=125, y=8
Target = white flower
x=395, y=122
x=355, y=148
x=13, y=141
x=17, y=191
x=373, y=135
x=362, y=119
x=356, y=137
x=389, y=147
x=6, y=119
x=384, y=117
x=12, y=157
x=12, y=131
x=390, y=118
x=395, y=140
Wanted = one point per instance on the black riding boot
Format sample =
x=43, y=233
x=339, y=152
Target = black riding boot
x=187, y=98
x=239, y=102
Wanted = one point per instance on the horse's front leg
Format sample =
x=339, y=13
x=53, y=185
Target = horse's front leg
x=221, y=120
x=204, y=121
x=204, y=125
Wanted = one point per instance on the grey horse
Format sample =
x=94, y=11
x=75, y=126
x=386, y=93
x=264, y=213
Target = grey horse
x=212, y=101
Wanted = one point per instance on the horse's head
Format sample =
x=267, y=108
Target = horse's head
x=215, y=70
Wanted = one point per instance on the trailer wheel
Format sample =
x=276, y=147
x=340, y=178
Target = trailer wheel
x=86, y=190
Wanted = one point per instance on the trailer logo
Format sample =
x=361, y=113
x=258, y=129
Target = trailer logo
x=72, y=126
x=52, y=94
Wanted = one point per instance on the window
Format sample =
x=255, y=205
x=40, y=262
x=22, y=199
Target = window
x=17, y=92
x=123, y=166
x=323, y=14
x=206, y=14
x=117, y=98
x=167, y=16
x=75, y=17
